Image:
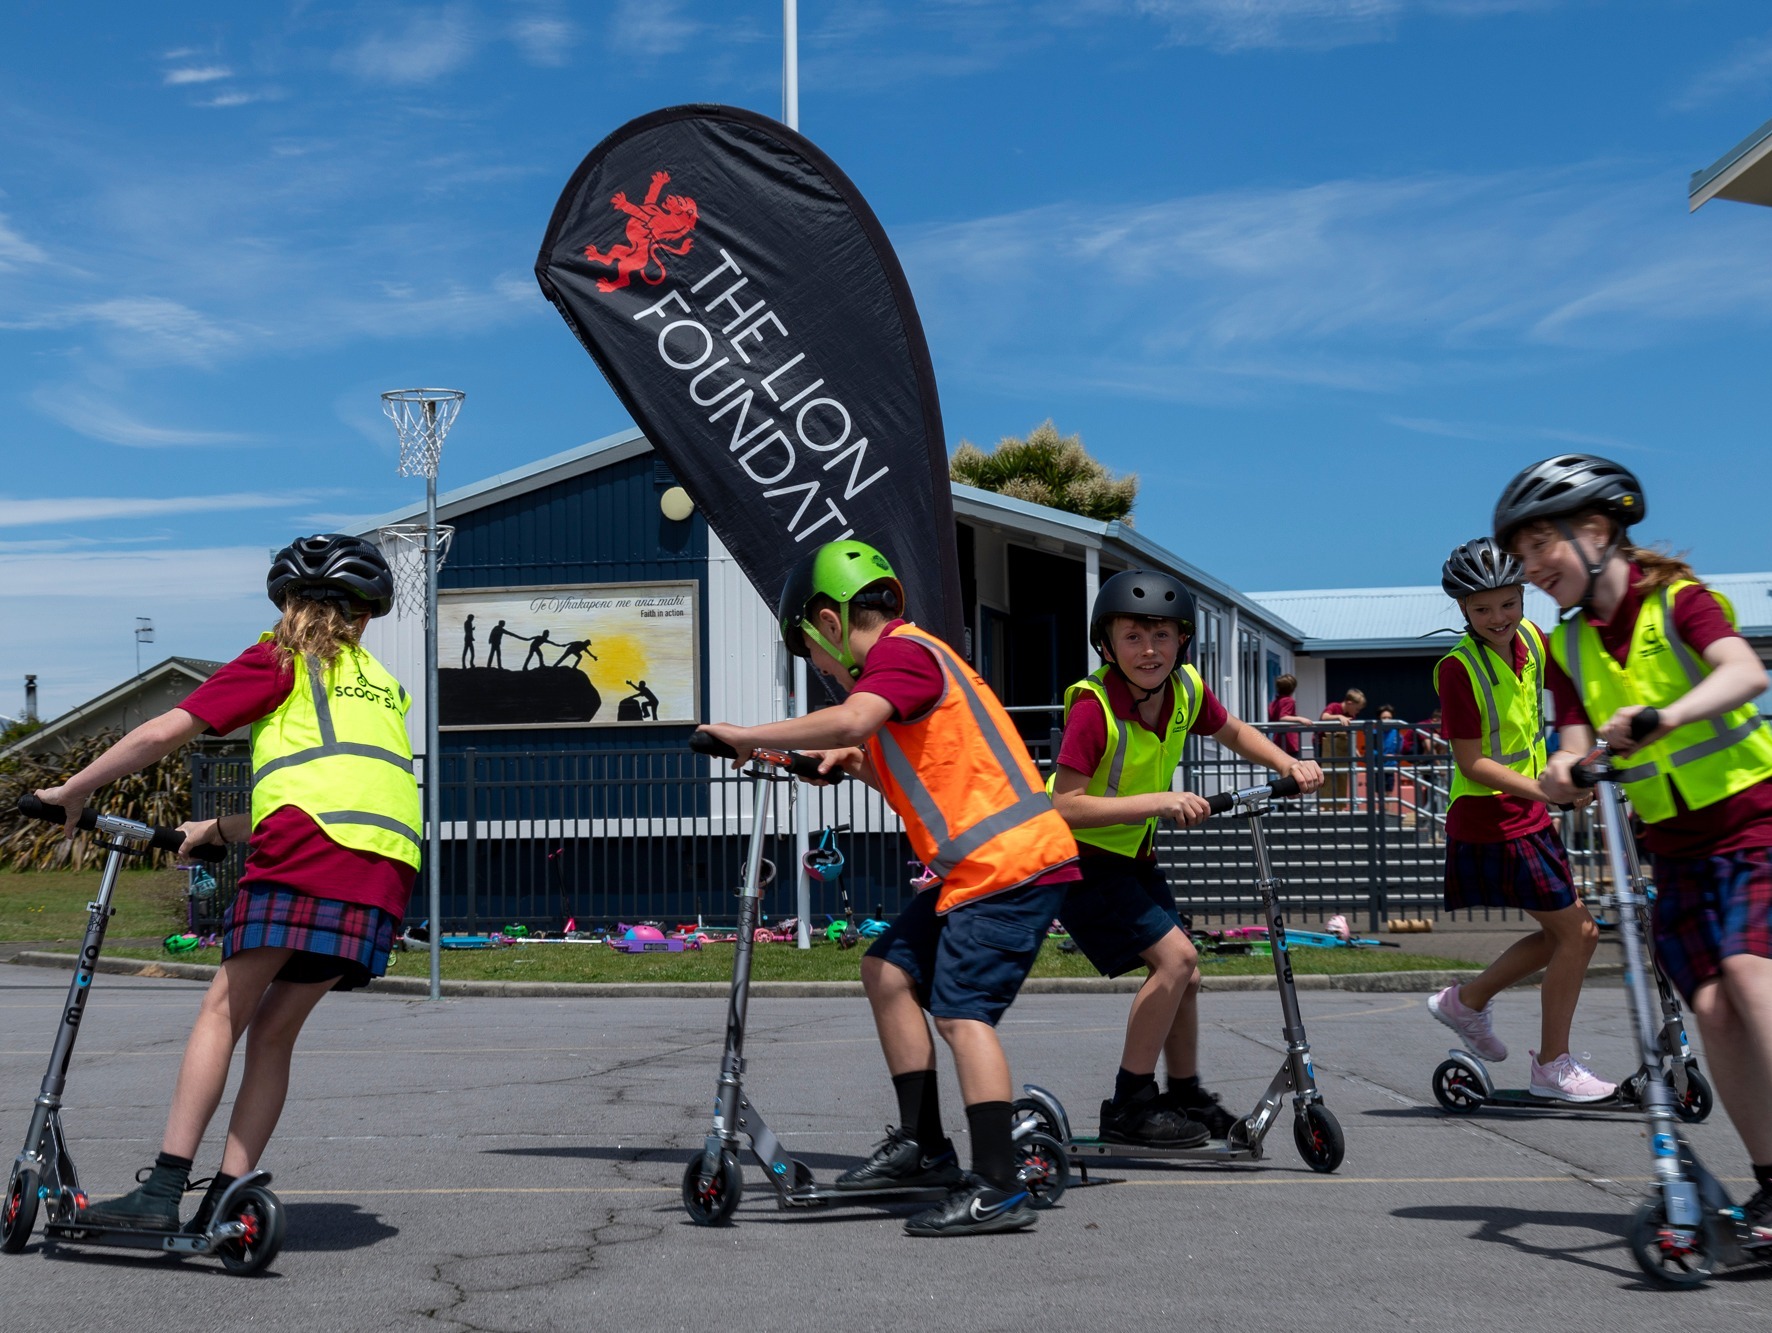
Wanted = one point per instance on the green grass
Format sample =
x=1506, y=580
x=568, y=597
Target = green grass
x=51, y=904
x=780, y=962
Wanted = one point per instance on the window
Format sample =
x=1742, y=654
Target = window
x=1251, y=692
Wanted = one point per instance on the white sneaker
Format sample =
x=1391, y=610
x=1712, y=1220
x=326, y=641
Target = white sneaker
x=1568, y=1080
x=1474, y=1025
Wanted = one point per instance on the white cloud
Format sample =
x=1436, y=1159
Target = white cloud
x=428, y=45
x=544, y=39
x=153, y=329
x=99, y=419
x=15, y=250
x=1747, y=70
x=95, y=508
x=198, y=74
x=652, y=28
x=1370, y=285
x=232, y=99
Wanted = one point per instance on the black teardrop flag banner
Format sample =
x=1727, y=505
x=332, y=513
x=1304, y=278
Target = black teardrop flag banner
x=742, y=300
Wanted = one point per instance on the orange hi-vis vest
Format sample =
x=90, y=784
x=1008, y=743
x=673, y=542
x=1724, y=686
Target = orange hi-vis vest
x=972, y=801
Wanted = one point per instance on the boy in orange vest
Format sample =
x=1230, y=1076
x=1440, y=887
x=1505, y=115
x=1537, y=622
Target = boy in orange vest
x=921, y=726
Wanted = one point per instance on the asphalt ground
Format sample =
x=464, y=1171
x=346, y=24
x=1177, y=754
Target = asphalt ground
x=514, y=1164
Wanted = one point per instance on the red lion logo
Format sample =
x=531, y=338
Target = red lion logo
x=651, y=229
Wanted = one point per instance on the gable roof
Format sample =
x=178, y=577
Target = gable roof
x=1424, y=620
x=1744, y=173
x=195, y=669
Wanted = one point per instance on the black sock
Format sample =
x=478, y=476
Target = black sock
x=1763, y=1174
x=919, y=1106
x=171, y=1163
x=1184, y=1088
x=993, y=1149
x=1128, y=1085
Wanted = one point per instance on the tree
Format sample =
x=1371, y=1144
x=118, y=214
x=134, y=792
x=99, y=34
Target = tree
x=1050, y=469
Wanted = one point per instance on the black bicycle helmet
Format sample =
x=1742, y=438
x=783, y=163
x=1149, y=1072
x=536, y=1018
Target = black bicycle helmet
x=1564, y=486
x=1140, y=592
x=332, y=566
x=1482, y=565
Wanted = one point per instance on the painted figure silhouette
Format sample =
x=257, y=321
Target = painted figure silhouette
x=535, y=646
x=467, y=643
x=648, y=701
x=577, y=650
x=495, y=644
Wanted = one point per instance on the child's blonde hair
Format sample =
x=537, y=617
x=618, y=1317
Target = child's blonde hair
x=315, y=628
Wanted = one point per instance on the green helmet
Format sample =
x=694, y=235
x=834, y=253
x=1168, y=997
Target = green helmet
x=840, y=571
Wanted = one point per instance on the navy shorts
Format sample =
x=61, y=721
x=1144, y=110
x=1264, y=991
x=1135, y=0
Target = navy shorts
x=1709, y=908
x=971, y=962
x=1121, y=907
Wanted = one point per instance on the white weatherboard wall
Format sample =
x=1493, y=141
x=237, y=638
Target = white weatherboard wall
x=396, y=640
x=746, y=660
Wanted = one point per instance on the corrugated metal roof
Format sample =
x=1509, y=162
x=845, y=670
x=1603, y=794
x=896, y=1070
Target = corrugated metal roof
x=1743, y=173
x=1399, y=619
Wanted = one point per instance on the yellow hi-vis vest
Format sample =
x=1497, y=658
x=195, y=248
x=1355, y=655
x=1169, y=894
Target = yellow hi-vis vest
x=1703, y=761
x=1137, y=761
x=337, y=751
x=1511, y=706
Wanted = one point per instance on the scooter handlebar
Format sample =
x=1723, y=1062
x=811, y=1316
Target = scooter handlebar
x=162, y=839
x=1278, y=789
x=1593, y=774
x=800, y=765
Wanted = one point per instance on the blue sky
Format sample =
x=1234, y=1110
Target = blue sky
x=1322, y=272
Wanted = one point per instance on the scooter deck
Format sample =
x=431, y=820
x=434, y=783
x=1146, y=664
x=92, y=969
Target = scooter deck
x=131, y=1238
x=822, y=1196
x=1213, y=1150
x=1522, y=1099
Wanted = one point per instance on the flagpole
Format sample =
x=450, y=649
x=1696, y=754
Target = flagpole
x=790, y=115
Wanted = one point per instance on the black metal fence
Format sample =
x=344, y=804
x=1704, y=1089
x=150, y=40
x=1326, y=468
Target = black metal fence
x=601, y=837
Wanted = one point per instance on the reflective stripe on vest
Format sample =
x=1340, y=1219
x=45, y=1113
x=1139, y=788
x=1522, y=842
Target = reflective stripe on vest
x=1704, y=761
x=1154, y=755
x=1514, y=718
x=983, y=757
x=371, y=763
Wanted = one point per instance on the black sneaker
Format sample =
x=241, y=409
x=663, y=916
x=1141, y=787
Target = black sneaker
x=1142, y=1121
x=901, y=1163
x=975, y=1209
x=1756, y=1217
x=151, y=1206
x=205, y=1214
x=1202, y=1106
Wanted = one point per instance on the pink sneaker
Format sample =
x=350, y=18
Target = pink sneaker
x=1471, y=1024
x=1568, y=1080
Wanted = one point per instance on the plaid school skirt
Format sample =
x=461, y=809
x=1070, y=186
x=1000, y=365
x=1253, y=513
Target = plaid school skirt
x=1530, y=873
x=1709, y=908
x=349, y=941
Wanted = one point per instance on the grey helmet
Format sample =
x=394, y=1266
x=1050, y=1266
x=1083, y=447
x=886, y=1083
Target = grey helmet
x=1564, y=486
x=1140, y=592
x=332, y=566
x=1482, y=565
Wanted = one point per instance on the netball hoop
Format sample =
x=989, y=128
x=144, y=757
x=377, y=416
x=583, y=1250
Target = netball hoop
x=405, y=547
x=423, y=418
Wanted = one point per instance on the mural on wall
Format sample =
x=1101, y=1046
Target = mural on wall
x=606, y=654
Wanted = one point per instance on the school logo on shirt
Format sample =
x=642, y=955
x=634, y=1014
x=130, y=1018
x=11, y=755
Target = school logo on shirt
x=1653, y=641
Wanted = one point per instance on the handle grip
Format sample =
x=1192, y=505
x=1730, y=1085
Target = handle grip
x=1278, y=789
x=162, y=839
x=1644, y=723
x=800, y=765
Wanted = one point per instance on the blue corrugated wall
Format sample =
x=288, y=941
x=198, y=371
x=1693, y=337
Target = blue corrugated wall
x=601, y=527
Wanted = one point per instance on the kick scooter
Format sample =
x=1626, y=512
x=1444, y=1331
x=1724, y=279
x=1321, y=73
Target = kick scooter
x=1462, y=1083
x=245, y=1231
x=1315, y=1130
x=1688, y=1227
x=713, y=1180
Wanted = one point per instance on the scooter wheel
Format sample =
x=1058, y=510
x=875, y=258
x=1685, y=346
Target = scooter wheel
x=19, y=1213
x=1044, y=1168
x=1318, y=1135
x=261, y=1214
x=1696, y=1104
x=1456, y=1088
x=710, y=1203
x=1674, y=1259
x=1026, y=1111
